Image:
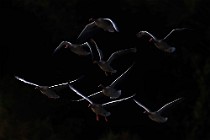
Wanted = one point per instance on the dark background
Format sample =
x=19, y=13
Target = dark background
x=31, y=30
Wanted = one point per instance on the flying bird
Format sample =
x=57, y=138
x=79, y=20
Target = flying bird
x=161, y=44
x=110, y=90
x=95, y=26
x=82, y=49
x=157, y=115
x=99, y=109
x=105, y=65
x=49, y=91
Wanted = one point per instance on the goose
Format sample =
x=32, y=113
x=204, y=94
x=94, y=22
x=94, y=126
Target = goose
x=95, y=26
x=99, y=109
x=105, y=65
x=161, y=44
x=79, y=49
x=49, y=91
x=110, y=90
x=157, y=115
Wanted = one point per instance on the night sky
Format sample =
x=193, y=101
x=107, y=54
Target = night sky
x=31, y=30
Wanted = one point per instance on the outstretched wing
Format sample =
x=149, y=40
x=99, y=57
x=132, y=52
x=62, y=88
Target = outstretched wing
x=116, y=81
x=141, y=105
x=113, y=24
x=173, y=31
x=94, y=94
x=65, y=84
x=27, y=82
x=168, y=105
x=120, y=53
x=89, y=31
x=100, y=54
x=62, y=44
x=78, y=93
x=117, y=101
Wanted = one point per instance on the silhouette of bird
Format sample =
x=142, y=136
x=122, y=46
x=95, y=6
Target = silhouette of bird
x=161, y=44
x=95, y=26
x=110, y=90
x=83, y=49
x=105, y=65
x=49, y=91
x=99, y=109
x=157, y=115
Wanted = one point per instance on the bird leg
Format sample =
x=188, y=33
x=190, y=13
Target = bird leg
x=106, y=119
x=97, y=117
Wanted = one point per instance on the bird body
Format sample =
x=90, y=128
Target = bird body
x=161, y=44
x=49, y=91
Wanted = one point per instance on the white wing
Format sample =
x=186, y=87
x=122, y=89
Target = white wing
x=88, y=96
x=138, y=103
x=78, y=93
x=100, y=54
x=120, y=77
x=27, y=82
x=117, y=101
x=168, y=105
x=113, y=24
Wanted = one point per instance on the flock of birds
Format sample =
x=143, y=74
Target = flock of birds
x=84, y=47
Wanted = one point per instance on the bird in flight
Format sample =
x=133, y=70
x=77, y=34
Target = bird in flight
x=99, y=109
x=105, y=65
x=95, y=26
x=157, y=115
x=110, y=90
x=49, y=91
x=161, y=44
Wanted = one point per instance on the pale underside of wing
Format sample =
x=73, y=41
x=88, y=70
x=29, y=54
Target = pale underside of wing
x=78, y=93
x=168, y=105
x=141, y=105
x=89, y=96
x=27, y=82
x=117, y=101
x=118, y=79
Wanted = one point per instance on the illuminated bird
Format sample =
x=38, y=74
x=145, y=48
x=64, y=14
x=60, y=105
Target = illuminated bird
x=49, y=91
x=105, y=65
x=95, y=26
x=161, y=44
x=110, y=90
x=83, y=49
x=157, y=115
x=99, y=109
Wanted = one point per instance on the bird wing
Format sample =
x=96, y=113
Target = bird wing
x=27, y=82
x=78, y=93
x=117, y=101
x=112, y=23
x=100, y=53
x=94, y=94
x=61, y=45
x=116, y=54
x=65, y=84
x=116, y=81
x=86, y=44
x=168, y=105
x=89, y=31
x=172, y=32
x=141, y=105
